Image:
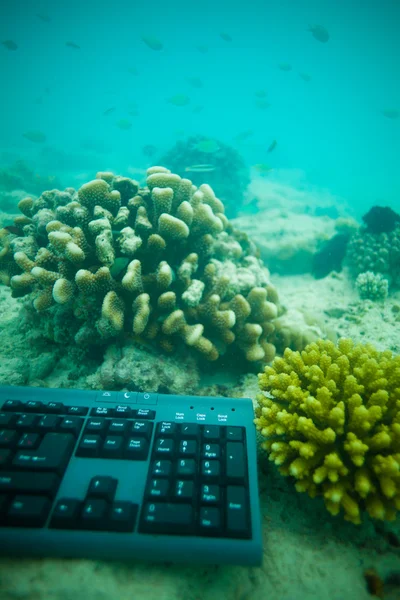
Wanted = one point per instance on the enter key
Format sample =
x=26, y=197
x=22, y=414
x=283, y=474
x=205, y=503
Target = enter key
x=53, y=454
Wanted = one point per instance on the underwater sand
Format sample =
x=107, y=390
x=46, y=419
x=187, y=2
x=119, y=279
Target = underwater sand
x=307, y=553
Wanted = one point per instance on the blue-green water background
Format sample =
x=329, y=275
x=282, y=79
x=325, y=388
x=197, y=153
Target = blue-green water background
x=331, y=127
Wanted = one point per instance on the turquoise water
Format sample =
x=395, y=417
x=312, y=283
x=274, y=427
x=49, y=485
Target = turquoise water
x=331, y=127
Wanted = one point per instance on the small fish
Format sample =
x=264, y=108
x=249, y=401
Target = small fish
x=152, y=42
x=207, y=146
x=15, y=230
x=200, y=169
x=272, y=146
x=124, y=124
x=226, y=37
x=108, y=111
x=202, y=49
x=243, y=135
x=197, y=109
x=262, y=168
x=35, y=136
x=285, y=67
x=179, y=100
x=319, y=32
x=133, y=112
x=195, y=82
x=72, y=45
x=260, y=93
x=133, y=71
x=9, y=44
x=391, y=113
x=43, y=17
x=262, y=103
x=149, y=150
x=305, y=77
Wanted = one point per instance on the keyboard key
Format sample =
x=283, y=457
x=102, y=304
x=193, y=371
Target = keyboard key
x=164, y=446
x=167, y=518
x=188, y=447
x=142, y=429
x=235, y=462
x=211, y=432
x=210, y=521
x=8, y=438
x=122, y=516
x=234, y=434
x=56, y=408
x=19, y=482
x=3, y=505
x=190, y=430
x=123, y=411
x=166, y=428
x=94, y=514
x=210, y=494
x=237, y=521
x=48, y=423
x=211, y=451
x=5, y=456
x=127, y=397
x=144, y=413
x=184, y=490
x=13, y=405
x=136, y=449
x=96, y=426
x=7, y=419
x=28, y=440
x=108, y=397
x=71, y=425
x=157, y=488
x=103, y=487
x=102, y=411
x=77, y=411
x=89, y=446
x=53, y=454
x=112, y=447
x=118, y=426
x=34, y=406
x=66, y=513
x=147, y=398
x=28, y=511
x=186, y=467
x=27, y=422
x=162, y=468
x=210, y=469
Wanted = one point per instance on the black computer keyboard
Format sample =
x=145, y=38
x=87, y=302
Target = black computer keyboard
x=128, y=475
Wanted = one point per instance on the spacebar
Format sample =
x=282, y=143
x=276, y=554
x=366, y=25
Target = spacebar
x=53, y=454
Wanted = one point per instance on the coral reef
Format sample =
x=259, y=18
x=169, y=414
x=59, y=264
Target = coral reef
x=376, y=252
x=372, y=286
x=160, y=264
x=330, y=256
x=228, y=175
x=381, y=219
x=20, y=176
x=331, y=416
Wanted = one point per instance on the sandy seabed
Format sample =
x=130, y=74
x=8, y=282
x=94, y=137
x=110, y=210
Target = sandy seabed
x=307, y=553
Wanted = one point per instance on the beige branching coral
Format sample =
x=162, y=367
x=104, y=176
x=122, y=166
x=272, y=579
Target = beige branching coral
x=160, y=263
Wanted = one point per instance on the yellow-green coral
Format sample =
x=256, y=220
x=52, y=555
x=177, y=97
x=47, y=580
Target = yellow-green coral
x=162, y=262
x=331, y=417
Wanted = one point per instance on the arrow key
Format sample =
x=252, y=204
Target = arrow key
x=65, y=514
x=103, y=487
x=122, y=516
